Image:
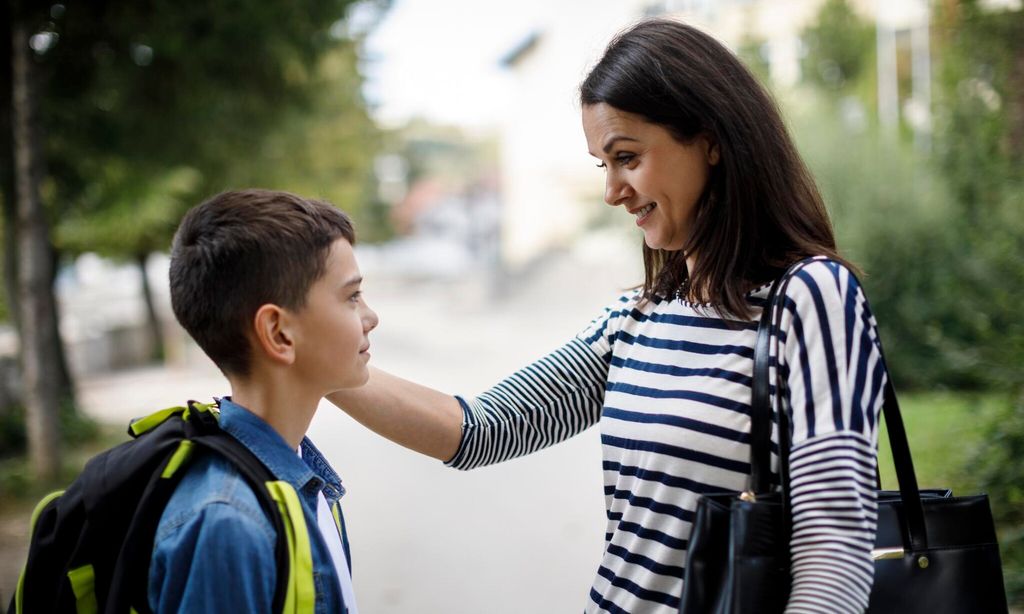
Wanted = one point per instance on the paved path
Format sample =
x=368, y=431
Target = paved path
x=524, y=536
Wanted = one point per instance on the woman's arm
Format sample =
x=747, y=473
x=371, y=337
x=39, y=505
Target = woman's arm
x=834, y=377
x=417, y=417
x=542, y=404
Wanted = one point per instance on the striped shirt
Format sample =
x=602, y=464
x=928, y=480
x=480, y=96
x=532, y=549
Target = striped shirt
x=670, y=384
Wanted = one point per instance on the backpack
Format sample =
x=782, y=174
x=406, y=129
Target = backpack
x=91, y=545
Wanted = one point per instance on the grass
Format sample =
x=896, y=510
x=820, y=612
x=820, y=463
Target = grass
x=943, y=429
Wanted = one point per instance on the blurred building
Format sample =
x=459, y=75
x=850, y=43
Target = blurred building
x=550, y=187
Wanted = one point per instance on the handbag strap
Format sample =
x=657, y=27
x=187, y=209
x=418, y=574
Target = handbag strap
x=761, y=423
x=760, y=407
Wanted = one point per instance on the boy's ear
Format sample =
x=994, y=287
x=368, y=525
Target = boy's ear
x=273, y=334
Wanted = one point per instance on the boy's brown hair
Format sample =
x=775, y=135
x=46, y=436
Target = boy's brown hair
x=243, y=249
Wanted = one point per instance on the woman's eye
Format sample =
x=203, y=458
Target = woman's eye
x=602, y=165
x=355, y=297
x=624, y=159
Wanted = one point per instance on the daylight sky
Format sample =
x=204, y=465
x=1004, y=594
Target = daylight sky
x=440, y=58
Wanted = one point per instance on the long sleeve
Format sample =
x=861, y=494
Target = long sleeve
x=544, y=403
x=833, y=375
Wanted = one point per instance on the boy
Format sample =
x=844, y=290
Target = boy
x=268, y=286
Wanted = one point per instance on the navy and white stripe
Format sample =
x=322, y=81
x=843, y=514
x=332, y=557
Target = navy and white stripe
x=670, y=384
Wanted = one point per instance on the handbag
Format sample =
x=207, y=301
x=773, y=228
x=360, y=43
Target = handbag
x=934, y=553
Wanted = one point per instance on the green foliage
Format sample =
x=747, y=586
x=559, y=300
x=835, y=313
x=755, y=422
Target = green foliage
x=75, y=429
x=934, y=419
x=150, y=107
x=839, y=47
x=325, y=150
x=980, y=152
x=947, y=280
x=941, y=238
x=868, y=182
x=12, y=430
x=985, y=458
x=753, y=52
x=18, y=488
x=129, y=221
x=998, y=463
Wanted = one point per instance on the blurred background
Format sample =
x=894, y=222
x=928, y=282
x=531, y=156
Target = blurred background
x=449, y=129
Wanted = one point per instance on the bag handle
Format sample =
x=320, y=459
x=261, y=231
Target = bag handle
x=761, y=423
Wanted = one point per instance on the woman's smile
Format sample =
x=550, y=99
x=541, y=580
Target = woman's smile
x=656, y=177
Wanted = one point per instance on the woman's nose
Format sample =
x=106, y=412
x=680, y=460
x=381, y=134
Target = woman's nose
x=615, y=190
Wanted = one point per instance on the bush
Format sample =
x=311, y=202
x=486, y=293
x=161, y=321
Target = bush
x=998, y=463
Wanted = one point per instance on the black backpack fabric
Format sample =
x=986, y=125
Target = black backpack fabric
x=91, y=544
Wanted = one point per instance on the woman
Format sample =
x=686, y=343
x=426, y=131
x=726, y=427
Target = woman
x=693, y=147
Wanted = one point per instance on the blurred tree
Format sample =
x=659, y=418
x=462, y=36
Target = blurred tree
x=754, y=52
x=980, y=151
x=147, y=106
x=35, y=302
x=947, y=281
x=839, y=46
x=225, y=98
x=323, y=149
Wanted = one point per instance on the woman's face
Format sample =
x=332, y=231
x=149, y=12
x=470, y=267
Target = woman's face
x=655, y=177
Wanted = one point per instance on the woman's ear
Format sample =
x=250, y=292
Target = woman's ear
x=712, y=151
x=273, y=334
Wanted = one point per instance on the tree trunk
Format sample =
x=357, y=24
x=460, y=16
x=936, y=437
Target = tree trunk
x=10, y=254
x=65, y=383
x=10, y=241
x=156, y=337
x=36, y=306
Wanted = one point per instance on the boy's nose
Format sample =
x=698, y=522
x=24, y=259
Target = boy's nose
x=370, y=320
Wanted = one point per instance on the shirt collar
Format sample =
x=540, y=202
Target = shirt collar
x=268, y=446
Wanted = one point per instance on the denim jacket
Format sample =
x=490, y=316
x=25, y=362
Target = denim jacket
x=214, y=547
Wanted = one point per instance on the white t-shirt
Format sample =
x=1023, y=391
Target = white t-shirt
x=328, y=528
x=329, y=531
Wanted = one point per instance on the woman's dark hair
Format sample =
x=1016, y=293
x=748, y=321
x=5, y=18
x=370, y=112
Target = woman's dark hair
x=761, y=209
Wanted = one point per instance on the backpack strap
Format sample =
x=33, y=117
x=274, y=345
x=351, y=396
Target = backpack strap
x=294, y=589
x=203, y=431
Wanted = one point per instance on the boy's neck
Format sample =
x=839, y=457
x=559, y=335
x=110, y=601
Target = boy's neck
x=278, y=402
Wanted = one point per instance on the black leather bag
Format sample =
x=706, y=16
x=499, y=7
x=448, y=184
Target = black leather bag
x=934, y=553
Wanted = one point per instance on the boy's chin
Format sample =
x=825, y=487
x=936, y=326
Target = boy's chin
x=352, y=382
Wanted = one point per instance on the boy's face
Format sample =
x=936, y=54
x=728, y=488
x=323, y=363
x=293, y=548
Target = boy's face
x=331, y=346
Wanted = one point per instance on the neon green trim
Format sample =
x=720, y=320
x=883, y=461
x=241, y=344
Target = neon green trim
x=19, y=595
x=153, y=420
x=203, y=408
x=336, y=512
x=179, y=458
x=83, y=582
x=301, y=594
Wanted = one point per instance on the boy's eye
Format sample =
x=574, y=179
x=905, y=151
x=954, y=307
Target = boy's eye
x=356, y=296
